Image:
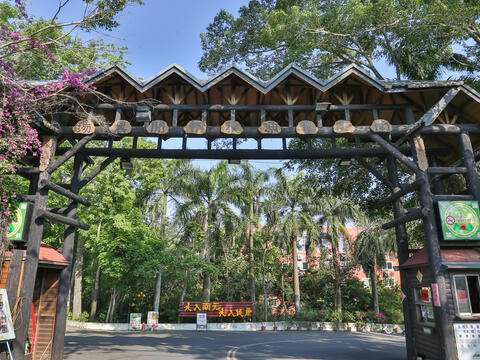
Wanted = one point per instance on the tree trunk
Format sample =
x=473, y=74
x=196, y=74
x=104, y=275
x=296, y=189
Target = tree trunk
x=158, y=286
x=338, y=279
x=184, y=289
x=265, y=300
x=373, y=283
x=77, y=289
x=296, y=281
x=206, y=257
x=4, y=243
x=96, y=287
x=251, y=258
x=112, y=305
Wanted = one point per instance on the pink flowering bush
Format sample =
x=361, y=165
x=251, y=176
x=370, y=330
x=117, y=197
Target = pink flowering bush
x=20, y=101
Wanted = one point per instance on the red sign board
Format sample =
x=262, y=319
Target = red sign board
x=217, y=309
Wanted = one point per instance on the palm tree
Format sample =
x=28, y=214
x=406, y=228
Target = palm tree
x=372, y=244
x=156, y=195
x=334, y=213
x=208, y=193
x=292, y=197
x=252, y=186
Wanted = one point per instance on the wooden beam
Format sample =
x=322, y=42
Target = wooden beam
x=245, y=153
x=91, y=175
x=67, y=193
x=431, y=115
x=400, y=192
x=411, y=216
x=453, y=197
x=374, y=171
x=394, y=152
x=63, y=219
x=447, y=170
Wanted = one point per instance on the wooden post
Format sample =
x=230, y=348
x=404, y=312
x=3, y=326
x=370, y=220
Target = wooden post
x=31, y=260
x=64, y=285
x=443, y=324
x=471, y=176
x=402, y=246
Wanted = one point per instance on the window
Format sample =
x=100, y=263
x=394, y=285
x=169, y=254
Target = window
x=467, y=293
x=305, y=265
x=389, y=265
x=424, y=306
x=366, y=282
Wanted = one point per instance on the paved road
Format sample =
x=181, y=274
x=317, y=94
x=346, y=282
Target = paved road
x=189, y=345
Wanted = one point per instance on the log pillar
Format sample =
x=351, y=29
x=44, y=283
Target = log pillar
x=31, y=260
x=468, y=158
x=64, y=284
x=402, y=245
x=444, y=324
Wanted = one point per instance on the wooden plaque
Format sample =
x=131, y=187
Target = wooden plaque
x=343, y=127
x=46, y=153
x=306, y=127
x=231, y=127
x=121, y=127
x=270, y=127
x=158, y=127
x=196, y=127
x=381, y=126
x=421, y=153
x=84, y=127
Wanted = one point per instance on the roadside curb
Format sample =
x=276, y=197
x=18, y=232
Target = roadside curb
x=258, y=326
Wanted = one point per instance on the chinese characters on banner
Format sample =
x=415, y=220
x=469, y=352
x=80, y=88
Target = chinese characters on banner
x=217, y=309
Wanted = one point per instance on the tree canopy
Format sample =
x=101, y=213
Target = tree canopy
x=417, y=39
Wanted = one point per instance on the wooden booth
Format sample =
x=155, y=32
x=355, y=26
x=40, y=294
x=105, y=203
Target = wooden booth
x=462, y=268
x=42, y=323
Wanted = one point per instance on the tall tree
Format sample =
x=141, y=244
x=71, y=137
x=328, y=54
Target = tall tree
x=334, y=213
x=293, y=198
x=208, y=194
x=370, y=249
x=252, y=186
x=415, y=37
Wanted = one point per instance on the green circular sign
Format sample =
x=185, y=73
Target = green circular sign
x=15, y=226
x=461, y=220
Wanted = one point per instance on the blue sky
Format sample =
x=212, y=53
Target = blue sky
x=157, y=34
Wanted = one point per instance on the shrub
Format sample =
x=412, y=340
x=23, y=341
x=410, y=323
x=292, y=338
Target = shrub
x=83, y=317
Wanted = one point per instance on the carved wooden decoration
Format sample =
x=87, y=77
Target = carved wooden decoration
x=306, y=127
x=197, y=127
x=419, y=276
x=421, y=153
x=158, y=127
x=46, y=153
x=381, y=126
x=231, y=127
x=84, y=127
x=270, y=127
x=343, y=127
x=121, y=127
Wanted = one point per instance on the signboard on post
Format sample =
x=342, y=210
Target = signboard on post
x=135, y=321
x=6, y=325
x=202, y=320
x=466, y=337
x=18, y=228
x=152, y=320
x=460, y=220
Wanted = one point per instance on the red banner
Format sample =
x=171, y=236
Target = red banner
x=217, y=309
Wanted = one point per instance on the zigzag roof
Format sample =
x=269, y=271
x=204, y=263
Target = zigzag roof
x=266, y=86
